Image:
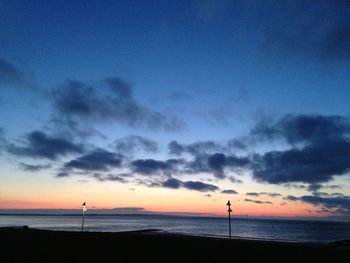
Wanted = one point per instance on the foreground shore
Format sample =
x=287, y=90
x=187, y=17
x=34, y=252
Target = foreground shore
x=31, y=245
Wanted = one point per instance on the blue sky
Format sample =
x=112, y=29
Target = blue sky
x=193, y=71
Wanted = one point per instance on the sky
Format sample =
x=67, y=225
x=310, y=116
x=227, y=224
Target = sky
x=176, y=106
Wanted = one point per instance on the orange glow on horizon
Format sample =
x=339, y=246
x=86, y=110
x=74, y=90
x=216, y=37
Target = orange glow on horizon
x=255, y=210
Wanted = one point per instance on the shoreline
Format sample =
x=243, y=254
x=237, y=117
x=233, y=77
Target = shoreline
x=161, y=232
x=20, y=243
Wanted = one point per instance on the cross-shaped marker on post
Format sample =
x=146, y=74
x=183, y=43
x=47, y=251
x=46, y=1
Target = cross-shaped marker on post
x=229, y=216
x=84, y=210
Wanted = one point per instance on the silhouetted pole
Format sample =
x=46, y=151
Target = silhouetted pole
x=229, y=217
x=84, y=210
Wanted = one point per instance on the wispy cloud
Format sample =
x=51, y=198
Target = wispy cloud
x=132, y=143
x=11, y=76
x=258, y=201
x=252, y=194
x=229, y=191
x=302, y=28
x=205, y=147
x=270, y=194
x=34, y=167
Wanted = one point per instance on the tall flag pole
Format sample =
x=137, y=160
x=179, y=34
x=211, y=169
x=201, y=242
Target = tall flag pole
x=229, y=217
x=84, y=210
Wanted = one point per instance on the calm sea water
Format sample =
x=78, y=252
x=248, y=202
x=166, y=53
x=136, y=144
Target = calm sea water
x=293, y=230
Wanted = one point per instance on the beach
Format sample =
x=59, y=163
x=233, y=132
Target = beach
x=25, y=244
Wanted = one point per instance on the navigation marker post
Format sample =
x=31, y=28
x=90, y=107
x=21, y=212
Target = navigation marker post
x=229, y=216
x=84, y=210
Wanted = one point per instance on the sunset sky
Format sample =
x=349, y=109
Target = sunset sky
x=176, y=106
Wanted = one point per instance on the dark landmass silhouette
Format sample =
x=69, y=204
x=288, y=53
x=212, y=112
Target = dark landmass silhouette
x=31, y=245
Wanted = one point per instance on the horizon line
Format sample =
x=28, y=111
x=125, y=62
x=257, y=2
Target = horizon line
x=141, y=212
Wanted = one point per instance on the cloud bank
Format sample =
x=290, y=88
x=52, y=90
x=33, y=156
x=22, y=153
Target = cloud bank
x=76, y=100
x=38, y=144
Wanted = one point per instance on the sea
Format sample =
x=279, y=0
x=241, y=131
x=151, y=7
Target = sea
x=249, y=228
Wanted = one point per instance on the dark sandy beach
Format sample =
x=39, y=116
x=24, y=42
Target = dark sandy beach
x=24, y=245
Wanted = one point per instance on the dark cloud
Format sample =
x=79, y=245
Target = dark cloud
x=110, y=178
x=34, y=167
x=151, y=166
x=323, y=194
x=264, y=129
x=151, y=184
x=235, y=180
x=191, y=185
x=9, y=74
x=198, y=164
x=40, y=145
x=236, y=144
x=314, y=163
x=97, y=160
x=76, y=98
x=218, y=162
x=321, y=210
x=333, y=186
x=337, y=194
x=257, y=201
x=305, y=28
x=172, y=183
x=120, y=87
x=63, y=173
x=12, y=77
x=2, y=139
x=229, y=191
x=314, y=187
x=205, y=147
x=320, y=145
x=74, y=127
x=175, y=148
x=270, y=194
x=252, y=194
x=303, y=128
x=291, y=198
x=317, y=187
x=297, y=186
x=328, y=202
x=195, y=148
x=199, y=186
x=206, y=163
x=341, y=204
x=132, y=143
x=78, y=101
